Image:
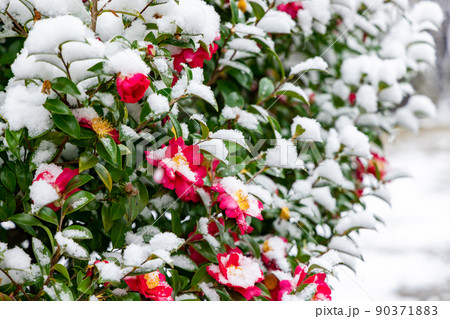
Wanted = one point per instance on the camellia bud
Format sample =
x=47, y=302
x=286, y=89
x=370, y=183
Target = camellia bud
x=151, y=50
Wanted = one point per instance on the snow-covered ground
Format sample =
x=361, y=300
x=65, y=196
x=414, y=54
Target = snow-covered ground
x=409, y=258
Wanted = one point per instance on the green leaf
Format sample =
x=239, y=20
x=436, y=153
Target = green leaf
x=8, y=178
x=258, y=11
x=265, y=88
x=199, y=276
x=25, y=220
x=118, y=231
x=62, y=270
x=253, y=245
x=57, y=106
x=109, y=151
x=104, y=175
x=176, y=125
x=274, y=123
x=68, y=124
x=234, y=12
x=85, y=286
x=77, y=232
x=13, y=143
x=47, y=214
x=42, y=254
x=107, y=218
x=176, y=222
x=264, y=291
x=293, y=91
x=65, y=85
x=204, y=249
x=77, y=181
x=77, y=201
x=87, y=161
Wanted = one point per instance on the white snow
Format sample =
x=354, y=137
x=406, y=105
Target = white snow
x=126, y=62
x=312, y=64
x=167, y=241
x=158, y=103
x=15, y=258
x=23, y=109
x=356, y=142
x=70, y=247
x=209, y=292
x=311, y=127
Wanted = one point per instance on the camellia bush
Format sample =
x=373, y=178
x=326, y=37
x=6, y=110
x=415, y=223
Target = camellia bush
x=199, y=150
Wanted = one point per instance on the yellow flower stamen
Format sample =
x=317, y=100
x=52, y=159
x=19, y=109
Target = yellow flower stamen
x=101, y=127
x=266, y=246
x=233, y=270
x=242, y=200
x=152, y=279
x=285, y=213
x=180, y=160
x=242, y=5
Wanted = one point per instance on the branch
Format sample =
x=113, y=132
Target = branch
x=14, y=283
x=94, y=15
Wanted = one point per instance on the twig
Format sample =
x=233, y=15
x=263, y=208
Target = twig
x=254, y=176
x=60, y=149
x=55, y=259
x=17, y=285
x=94, y=15
x=19, y=28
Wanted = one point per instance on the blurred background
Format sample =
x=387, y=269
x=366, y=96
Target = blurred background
x=408, y=258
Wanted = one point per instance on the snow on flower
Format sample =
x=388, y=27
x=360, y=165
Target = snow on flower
x=179, y=167
x=291, y=8
x=274, y=252
x=152, y=286
x=238, y=272
x=284, y=284
x=49, y=185
x=235, y=199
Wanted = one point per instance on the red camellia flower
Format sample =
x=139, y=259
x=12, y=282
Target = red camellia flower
x=322, y=292
x=100, y=126
x=274, y=252
x=194, y=59
x=58, y=179
x=237, y=202
x=237, y=272
x=291, y=8
x=179, y=167
x=132, y=89
x=376, y=164
x=152, y=285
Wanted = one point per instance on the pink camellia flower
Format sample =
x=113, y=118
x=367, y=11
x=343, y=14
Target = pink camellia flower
x=132, y=89
x=274, y=252
x=237, y=202
x=49, y=185
x=194, y=59
x=291, y=8
x=238, y=272
x=152, y=285
x=179, y=167
x=286, y=286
